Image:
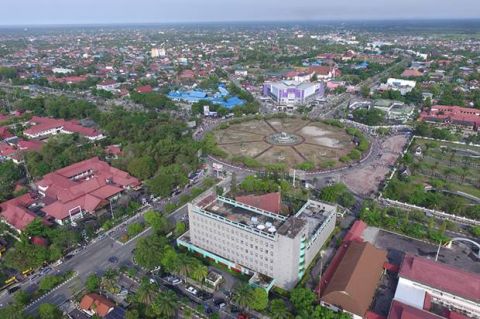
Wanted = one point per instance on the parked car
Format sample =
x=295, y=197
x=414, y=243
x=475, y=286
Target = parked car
x=113, y=259
x=220, y=303
x=192, y=290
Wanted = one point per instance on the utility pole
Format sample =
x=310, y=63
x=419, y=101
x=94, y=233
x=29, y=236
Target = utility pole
x=438, y=250
x=294, y=172
x=111, y=210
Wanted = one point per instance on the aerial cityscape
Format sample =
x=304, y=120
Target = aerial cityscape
x=240, y=159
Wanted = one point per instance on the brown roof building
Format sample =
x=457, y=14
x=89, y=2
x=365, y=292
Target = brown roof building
x=354, y=282
x=96, y=304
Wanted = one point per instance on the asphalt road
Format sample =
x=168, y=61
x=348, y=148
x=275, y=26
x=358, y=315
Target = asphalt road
x=92, y=259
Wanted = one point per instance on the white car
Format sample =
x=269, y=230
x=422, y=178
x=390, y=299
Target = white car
x=192, y=290
x=176, y=281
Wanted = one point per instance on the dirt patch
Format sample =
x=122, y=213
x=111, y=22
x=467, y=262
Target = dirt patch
x=365, y=180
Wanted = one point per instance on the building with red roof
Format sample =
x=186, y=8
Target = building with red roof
x=114, y=151
x=453, y=115
x=42, y=127
x=271, y=202
x=400, y=310
x=5, y=133
x=428, y=285
x=15, y=212
x=30, y=145
x=411, y=73
x=144, y=89
x=84, y=187
x=95, y=304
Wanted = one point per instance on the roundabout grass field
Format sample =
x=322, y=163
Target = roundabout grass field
x=293, y=142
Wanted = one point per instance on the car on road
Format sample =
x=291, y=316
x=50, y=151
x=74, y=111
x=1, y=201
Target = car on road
x=13, y=289
x=192, y=290
x=204, y=295
x=68, y=257
x=113, y=259
x=220, y=303
x=45, y=270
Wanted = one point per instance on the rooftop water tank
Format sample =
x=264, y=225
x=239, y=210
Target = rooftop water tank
x=272, y=229
x=261, y=227
x=268, y=224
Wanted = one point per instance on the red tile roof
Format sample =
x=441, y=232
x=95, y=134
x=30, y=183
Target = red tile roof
x=411, y=73
x=113, y=150
x=441, y=277
x=144, y=89
x=15, y=211
x=30, y=145
x=7, y=150
x=271, y=202
x=5, y=133
x=97, y=304
x=87, y=184
x=44, y=124
x=455, y=114
x=400, y=310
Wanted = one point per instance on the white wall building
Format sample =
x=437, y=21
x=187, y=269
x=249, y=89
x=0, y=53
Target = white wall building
x=258, y=242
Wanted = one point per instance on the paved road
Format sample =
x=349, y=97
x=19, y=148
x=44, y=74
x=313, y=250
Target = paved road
x=92, y=259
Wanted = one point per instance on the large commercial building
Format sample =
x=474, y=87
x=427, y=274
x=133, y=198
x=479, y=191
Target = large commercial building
x=292, y=93
x=274, y=248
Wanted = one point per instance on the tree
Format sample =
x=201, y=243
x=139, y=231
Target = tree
x=49, y=311
x=135, y=229
x=302, y=299
x=365, y=91
x=180, y=228
x=243, y=295
x=185, y=265
x=142, y=167
x=278, y=310
x=157, y=221
x=149, y=251
x=165, y=305
x=146, y=293
x=49, y=282
x=199, y=273
x=9, y=175
x=92, y=283
x=22, y=297
x=370, y=117
x=109, y=281
x=259, y=299
x=132, y=314
x=12, y=311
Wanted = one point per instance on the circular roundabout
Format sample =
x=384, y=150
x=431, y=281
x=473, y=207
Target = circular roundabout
x=294, y=142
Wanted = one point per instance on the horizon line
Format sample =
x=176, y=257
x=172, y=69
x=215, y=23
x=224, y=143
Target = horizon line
x=343, y=20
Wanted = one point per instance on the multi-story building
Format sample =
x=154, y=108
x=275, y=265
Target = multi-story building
x=436, y=289
x=292, y=93
x=276, y=249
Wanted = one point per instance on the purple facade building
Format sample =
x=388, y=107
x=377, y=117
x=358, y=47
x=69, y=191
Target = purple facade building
x=293, y=93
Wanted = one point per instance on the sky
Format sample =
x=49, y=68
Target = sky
x=31, y=12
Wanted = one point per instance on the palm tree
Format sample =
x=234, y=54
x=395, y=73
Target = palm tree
x=165, y=305
x=185, y=265
x=146, y=293
x=243, y=295
x=199, y=273
x=278, y=310
x=109, y=281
